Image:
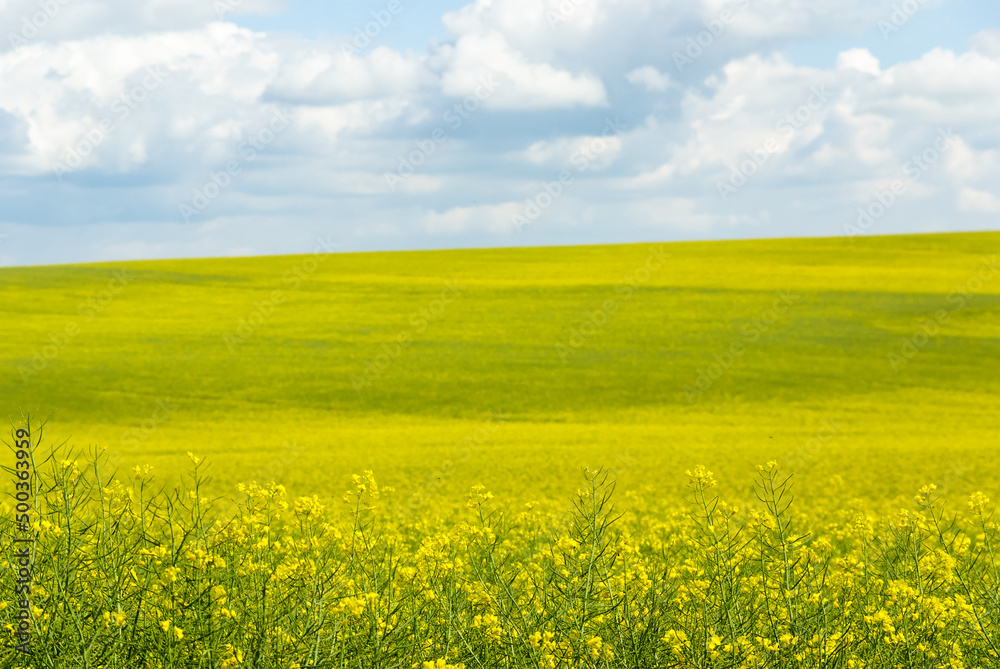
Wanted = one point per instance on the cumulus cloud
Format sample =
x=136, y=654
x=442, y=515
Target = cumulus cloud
x=493, y=218
x=152, y=106
x=973, y=200
x=764, y=107
x=861, y=60
x=113, y=101
x=608, y=37
x=649, y=77
x=987, y=43
x=323, y=76
x=517, y=83
x=31, y=21
x=587, y=152
x=671, y=214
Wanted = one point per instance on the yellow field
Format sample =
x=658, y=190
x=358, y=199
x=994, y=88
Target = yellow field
x=864, y=368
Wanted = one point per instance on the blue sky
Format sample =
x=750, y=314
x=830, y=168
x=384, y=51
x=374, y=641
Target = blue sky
x=182, y=129
x=420, y=20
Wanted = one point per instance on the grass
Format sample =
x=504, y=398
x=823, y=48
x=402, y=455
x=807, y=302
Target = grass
x=863, y=367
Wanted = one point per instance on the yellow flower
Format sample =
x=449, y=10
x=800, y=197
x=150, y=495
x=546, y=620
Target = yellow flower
x=308, y=506
x=142, y=472
x=114, y=617
x=478, y=496
x=923, y=495
x=235, y=657
x=676, y=638
x=700, y=476
x=978, y=502
x=441, y=663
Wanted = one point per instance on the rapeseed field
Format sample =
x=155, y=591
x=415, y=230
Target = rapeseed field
x=730, y=454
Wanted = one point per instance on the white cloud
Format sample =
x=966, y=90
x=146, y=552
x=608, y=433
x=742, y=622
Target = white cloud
x=670, y=213
x=325, y=76
x=587, y=152
x=861, y=60
x=329, y=121
x=121, y=95
x=968, y=165
x=987, y=43
x=649, y=77
x=520, y=84
x=758, y=105
x=118, y=101
x=493, y=218
x=662, y=174
x=941, y=87
x=33, y=22
x=806, y=123
x=549, y=72
x=978, y=201
x=582, y=31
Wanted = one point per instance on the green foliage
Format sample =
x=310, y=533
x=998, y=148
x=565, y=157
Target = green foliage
x=134, y=575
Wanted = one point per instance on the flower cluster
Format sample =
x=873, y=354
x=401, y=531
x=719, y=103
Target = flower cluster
x=128, y=575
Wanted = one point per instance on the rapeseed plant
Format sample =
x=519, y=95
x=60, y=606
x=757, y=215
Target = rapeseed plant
x=129, y=574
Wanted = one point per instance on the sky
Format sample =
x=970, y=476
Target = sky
x=207, y=128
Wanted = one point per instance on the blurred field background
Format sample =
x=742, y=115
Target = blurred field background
x=503, y=383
